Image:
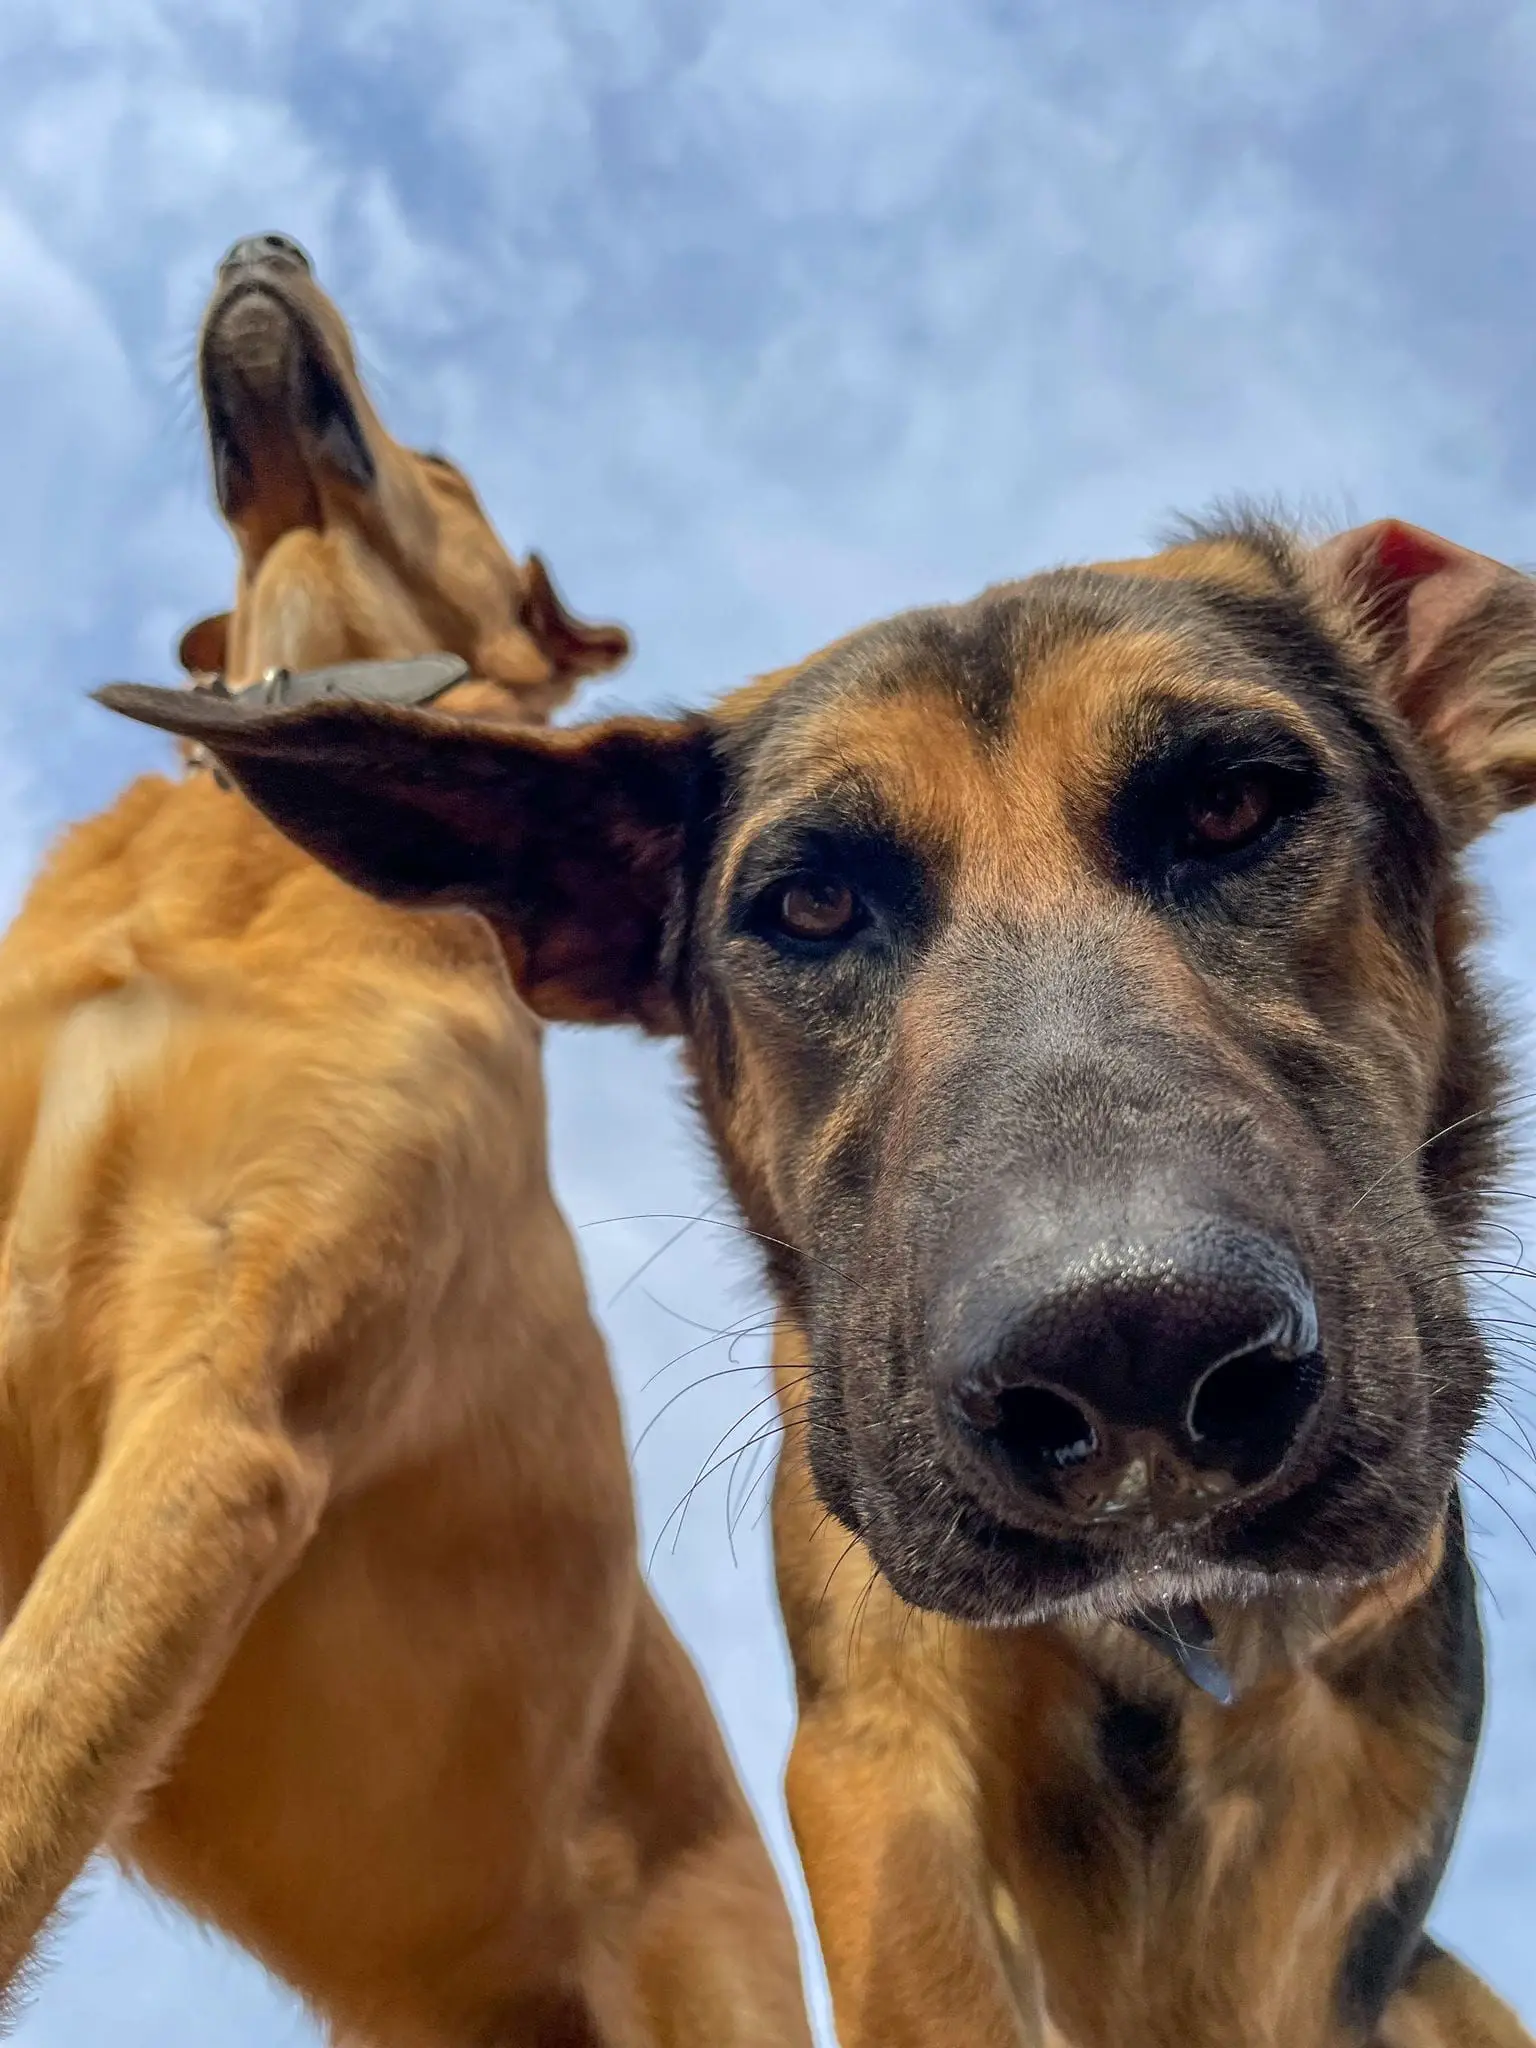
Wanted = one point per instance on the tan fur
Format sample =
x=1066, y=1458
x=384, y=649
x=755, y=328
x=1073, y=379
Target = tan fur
x=1446, y=2004
x=317, y=1553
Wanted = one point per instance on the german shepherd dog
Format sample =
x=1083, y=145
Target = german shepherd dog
x=317, y=1547
x=1076, y=985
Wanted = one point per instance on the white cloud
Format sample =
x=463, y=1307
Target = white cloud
x=60, y=344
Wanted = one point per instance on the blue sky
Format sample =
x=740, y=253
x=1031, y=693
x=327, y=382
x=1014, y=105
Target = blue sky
x=760, y=322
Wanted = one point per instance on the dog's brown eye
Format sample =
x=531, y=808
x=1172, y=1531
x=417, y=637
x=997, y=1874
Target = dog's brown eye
x=1229, y=811
x=817, y=907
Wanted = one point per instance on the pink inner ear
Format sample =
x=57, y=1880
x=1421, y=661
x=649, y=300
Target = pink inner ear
x=1452, y=636
x=1407, y=553
x=1416, y=585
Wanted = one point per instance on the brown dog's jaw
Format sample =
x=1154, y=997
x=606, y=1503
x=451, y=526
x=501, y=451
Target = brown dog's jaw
x=280, y=418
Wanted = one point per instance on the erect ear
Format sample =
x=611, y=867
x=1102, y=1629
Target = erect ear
x=204, y=648
x=575, y=648
x=1454, y=635
x=576, y=844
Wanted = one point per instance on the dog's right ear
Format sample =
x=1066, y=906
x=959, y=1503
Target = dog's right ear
x=1451, y=636
x=577, y=844
x=575, y=646
x=204, y=647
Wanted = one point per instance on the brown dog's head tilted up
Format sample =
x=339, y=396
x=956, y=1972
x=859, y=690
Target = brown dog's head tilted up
x=352, y=547
x=1075, y=985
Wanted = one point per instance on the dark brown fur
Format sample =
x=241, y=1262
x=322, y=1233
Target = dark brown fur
x=1020, y=1823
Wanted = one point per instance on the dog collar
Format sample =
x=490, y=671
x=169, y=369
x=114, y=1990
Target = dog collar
x=1185, y=1637
x=412, y=683
x=416, y=681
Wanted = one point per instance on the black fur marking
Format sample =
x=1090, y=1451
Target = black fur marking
x=1139, y=1745
x=1075, y=1825
x=1388, y=1940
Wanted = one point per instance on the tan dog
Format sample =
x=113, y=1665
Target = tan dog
x=316, y=1537
x=1077, y=987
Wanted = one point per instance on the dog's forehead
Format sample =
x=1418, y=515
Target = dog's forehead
x=1039, y=668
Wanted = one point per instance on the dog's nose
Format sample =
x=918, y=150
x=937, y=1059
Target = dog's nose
x=1145, y=1384
x=271, y=249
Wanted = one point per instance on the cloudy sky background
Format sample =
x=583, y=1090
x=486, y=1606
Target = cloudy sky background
x=760, y=322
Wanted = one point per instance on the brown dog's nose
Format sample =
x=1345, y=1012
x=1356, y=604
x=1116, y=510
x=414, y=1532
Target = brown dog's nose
x=271, y=249
x=1146, y=1384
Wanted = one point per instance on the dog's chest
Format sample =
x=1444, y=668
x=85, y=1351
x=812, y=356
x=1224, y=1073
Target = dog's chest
x=1191, y=1874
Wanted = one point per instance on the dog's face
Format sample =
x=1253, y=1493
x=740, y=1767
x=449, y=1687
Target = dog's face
x=1074, y=982
x=353, y=547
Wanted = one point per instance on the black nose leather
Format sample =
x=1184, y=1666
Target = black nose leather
x=1143, y=1384
x=272, y=249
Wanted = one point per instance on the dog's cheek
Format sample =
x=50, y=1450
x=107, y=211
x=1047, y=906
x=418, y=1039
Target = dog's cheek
x=856, y=1431
x=1382, y=1508
x=1381, y=1445
x=831, y=1452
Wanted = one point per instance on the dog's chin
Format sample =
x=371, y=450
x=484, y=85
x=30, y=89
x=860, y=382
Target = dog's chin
x=971, y=1568
x=276, y=404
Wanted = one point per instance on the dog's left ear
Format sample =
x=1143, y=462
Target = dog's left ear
x=204, y=647
x=580, y=846
x=1453, y=636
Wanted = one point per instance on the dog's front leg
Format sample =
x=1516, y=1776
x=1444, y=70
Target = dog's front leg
x=1443, y=2005
x=915, y=1954
x=883, y=1802
x=199, y=1505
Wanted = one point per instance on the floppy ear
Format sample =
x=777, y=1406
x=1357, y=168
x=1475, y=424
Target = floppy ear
x=204, y=648
x=574, y=844
x=1454, y=634
x=575, y=648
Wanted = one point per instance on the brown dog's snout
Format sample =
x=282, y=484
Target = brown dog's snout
x=1141, y=1384
x=281, y=250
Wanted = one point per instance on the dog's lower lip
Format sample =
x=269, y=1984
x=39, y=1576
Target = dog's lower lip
x=248, y=333
x=276, y=379
x=1025, y=1578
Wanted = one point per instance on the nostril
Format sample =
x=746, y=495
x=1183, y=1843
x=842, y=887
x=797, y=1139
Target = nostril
x=1040, y=1431
x=284, y=245
x=1247, y=1410
x=269, y=248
